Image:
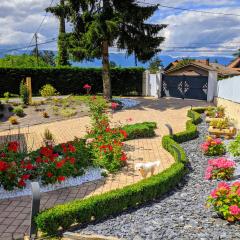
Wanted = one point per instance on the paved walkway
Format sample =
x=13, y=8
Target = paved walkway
x=15, y=213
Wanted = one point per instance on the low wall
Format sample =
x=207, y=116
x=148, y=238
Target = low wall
x=232, y=109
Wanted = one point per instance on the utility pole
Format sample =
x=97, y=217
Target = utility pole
x=36, y=47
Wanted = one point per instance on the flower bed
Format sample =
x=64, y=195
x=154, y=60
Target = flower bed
x=213, y=147
x=225, y=199
x=220, y=168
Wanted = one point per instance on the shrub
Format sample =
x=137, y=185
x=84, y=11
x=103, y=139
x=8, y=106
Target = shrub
x=68, y=112
x=220, y=168
x=45, y=115
x=13, y=120
x=70, y=80
x=213, y=147
x=48, y=138
x=106, y=149
x=6, y=96
x=18, y=111
x=48, y=91
x=220, y=123
x=234, y=147
x=140, y=130
x=225, y=200
x=24, y=93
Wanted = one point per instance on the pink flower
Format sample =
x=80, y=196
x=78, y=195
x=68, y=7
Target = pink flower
x=87, y=87
x=204, y=147
x=114, y=105
x=234, y=210
x=218, y=141
x=214, y=193
x=223, y=186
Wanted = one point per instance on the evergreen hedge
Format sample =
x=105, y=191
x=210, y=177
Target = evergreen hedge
x=70, y=80
x=114, y=202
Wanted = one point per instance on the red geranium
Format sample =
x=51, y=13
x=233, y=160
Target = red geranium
x=21, y=183
x=13, y=146
x=25, y=176
x=124, y=133
x=114, y=105
x=124, y=157
x=3, y=166
x=49, y=174
x=61, y=178
x=60, y=164
x=46, y=151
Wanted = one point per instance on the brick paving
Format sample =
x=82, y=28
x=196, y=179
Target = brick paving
x=15, y=213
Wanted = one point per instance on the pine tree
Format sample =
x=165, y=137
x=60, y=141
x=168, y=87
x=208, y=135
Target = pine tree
x=99, y=25
x=60, y=11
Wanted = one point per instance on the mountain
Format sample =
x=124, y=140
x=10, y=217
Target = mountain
x=122, y=60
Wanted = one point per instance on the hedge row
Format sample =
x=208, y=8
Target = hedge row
x=70, y=80
x=114, y=202
x=140, y=130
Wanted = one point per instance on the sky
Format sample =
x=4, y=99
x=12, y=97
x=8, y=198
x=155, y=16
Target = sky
x=188, y=33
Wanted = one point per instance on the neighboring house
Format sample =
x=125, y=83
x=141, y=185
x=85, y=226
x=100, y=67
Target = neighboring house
x=198, y=68
x=235, y=64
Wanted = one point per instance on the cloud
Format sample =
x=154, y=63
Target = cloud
x=199, y=33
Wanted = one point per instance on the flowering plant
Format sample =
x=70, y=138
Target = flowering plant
x=220, y=168
x=213, y=147
x=15, y=167
x=106, y=143
x=88, y=88
x=225, y=200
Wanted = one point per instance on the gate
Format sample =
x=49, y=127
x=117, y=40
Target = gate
x=192, y=87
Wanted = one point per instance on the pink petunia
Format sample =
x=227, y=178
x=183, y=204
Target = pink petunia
x=234, y=210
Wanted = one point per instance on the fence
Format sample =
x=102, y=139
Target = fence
x=229, y=89
x=228, y=96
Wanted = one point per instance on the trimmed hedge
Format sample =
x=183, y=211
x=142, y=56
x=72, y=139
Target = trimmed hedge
x=140, y=130
x=114, y=202
x=70, y=80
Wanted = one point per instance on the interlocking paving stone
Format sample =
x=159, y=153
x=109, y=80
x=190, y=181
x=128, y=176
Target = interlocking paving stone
x=172, y=111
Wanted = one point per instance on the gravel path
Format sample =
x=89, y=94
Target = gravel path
x=181, y=214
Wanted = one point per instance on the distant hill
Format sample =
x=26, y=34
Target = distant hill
x=121, y=60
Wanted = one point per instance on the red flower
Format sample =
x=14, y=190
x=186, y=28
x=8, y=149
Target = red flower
x=29, y=166
x=13, y=146
x=124, y=133
x=108, y=129
x=124, y=157
x=3, y=166
x=71, y=148
x=45, y=151
x=38, y=160
x=110, y=147
x=114, y=105
x=87, y=87
x=61, y=178
x=3, y=155
x=49, y=174
x=60, y=164
x=21, y=183
x=72, y=160
x=25, y=177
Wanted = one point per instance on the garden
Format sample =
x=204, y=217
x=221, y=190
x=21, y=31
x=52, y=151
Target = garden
x=201, y=189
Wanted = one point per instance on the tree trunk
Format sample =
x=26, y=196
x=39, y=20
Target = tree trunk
x=107, y=92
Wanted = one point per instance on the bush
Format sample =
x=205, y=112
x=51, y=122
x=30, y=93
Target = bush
x=48, y=91
x=13, y=120
x=225, y=201
x=24, y=93
x=220, y=168
x=213, y=147
x=113, y=202
x=18, y=111
x=234, y=147
x=67, y=112
x=140, y=130
x=70, y=80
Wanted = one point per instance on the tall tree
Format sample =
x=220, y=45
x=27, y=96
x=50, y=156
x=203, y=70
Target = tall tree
x=237, y=54
x=60, y=11
x=155, y=64
x=99, y=25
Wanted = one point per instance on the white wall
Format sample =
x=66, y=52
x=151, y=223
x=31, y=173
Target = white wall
x=229, y=89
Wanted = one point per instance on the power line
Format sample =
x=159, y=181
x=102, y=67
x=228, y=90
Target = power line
x=40, y=25
x=26, y=47
x=190, y=10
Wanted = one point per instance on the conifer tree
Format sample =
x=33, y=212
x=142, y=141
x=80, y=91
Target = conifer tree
x=101, y=24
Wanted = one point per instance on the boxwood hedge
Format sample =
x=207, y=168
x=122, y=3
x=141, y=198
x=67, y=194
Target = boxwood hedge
x=114, y=202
